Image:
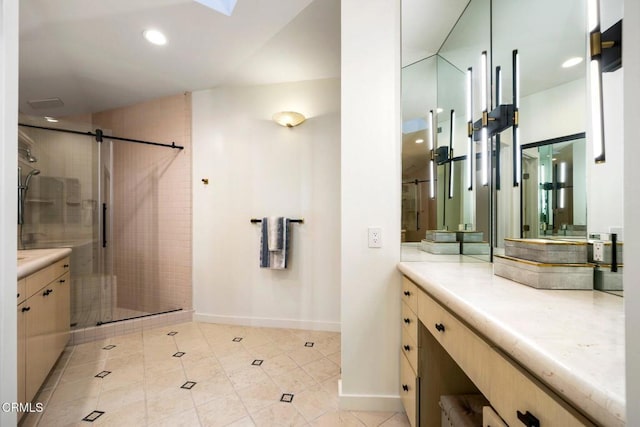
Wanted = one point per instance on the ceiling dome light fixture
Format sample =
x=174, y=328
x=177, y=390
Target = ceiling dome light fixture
x=572, y=62
x=155, y=37
x=288, y=118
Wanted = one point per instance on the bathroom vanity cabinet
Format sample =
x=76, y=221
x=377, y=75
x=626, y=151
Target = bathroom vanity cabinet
x=43, y=324
x=450, y=347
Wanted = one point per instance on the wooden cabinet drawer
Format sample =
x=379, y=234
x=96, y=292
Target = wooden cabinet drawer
x=409, y=390
x=37, y=280
x=410, y=321
x=22, y=290
x=468, y=350
x=513, y=390
x=410, y=349
x=491, y=419
x=410, y=294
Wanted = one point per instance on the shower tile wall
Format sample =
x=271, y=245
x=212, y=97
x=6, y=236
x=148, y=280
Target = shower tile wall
x=152, y=204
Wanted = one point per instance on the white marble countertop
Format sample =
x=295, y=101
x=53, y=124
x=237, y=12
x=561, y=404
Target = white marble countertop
x=573, y=340
x=32, y=260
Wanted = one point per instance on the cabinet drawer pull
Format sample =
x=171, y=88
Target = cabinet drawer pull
x=47, y=292
x=62, y=280
x=440, y=327
x=65, y=266
x=25, y=309
x=407, y=320
x=405, y=387
x=528, y=419
x=407, y=348
x=407, y=293
x=18, y=295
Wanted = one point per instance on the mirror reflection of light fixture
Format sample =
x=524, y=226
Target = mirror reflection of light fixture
x=606, y=56
x=451, y=163
x=561, y=180
x=497, y=135
x=288, y=118
x=432, y=144
x=572, y=62
x=493, y=122
x=517, y=150
x=469, y=129
x=419, y=141
x=484, y=106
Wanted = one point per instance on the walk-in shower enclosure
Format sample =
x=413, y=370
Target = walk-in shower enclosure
x=70, y=203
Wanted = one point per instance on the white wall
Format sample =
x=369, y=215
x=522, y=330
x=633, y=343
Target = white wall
x=8, y=203
x=257, y=168
x=371, y=173
x=554, y=112
x=631, y=63
x=605, y=199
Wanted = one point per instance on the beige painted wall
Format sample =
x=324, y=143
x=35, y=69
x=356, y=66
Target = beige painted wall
x=152, y=204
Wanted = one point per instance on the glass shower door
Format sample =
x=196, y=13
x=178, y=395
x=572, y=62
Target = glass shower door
x=62, y=207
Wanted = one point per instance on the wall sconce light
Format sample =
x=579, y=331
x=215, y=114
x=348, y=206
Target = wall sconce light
x=469, y=129
x=495, y=121
x=517, y=150
x=484, y=106
x=606, y=56
x=451, y=163
x=288, y=118
x=432, y=144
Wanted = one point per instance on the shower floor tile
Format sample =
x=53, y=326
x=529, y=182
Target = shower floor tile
x=226, y=388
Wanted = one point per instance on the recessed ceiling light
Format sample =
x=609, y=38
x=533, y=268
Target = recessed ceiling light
x=571, y=62
x=51, y=119
x=155, y=37
x=419, y=141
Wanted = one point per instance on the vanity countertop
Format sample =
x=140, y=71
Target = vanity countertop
x=571, y=340
x=32, y=260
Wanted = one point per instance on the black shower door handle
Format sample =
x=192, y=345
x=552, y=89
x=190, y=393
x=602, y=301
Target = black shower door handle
x=104, y=225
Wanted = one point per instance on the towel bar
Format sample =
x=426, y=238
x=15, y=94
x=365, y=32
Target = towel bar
x=301, y=221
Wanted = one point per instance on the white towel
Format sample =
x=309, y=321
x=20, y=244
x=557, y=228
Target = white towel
x=278, y=258
x=274, y=232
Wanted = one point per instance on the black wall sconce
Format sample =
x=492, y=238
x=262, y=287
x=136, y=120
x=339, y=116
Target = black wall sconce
x=606, y=56
x=495, y=121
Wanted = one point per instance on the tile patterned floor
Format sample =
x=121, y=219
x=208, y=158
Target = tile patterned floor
x=201, y=374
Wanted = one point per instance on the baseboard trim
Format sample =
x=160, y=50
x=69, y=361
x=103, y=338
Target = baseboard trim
x=367, y=402
x=266, y=322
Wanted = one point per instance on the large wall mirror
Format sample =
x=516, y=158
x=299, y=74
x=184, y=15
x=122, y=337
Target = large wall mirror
x=552, y=107
x=440, y=201
x=560, y=193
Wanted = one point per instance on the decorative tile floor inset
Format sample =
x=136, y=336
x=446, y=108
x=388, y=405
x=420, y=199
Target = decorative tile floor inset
x=188, y=385
x=172, y=333
x=179, y=354
x=93, y=416
x=237, y=339
x=257, y=362
x=102, y=374
x=109, y=347
x=286, y=397
x=308, y=344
